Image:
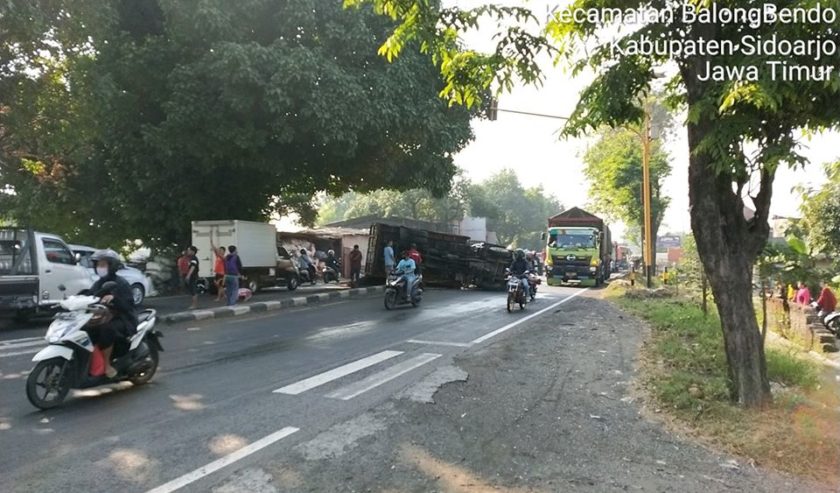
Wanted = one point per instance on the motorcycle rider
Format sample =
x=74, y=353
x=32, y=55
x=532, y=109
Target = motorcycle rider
x=827, y=302
x=119, y=299
x=308, y=264
x=332, y=262
x=518, y=268
x=407, y=267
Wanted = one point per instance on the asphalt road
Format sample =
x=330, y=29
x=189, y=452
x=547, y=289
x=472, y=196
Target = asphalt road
x=166, y=305
x=246, y=386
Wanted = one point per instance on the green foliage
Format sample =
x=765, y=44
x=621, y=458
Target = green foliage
x=821, y=214
x=175, y=111
x=614, y=169
x=518, y=215
x=690, y=347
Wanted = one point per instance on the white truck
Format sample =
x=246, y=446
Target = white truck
x=264, y=262
x=37, y=270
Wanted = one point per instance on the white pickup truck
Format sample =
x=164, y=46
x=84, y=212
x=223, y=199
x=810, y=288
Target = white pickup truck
x=37, y=270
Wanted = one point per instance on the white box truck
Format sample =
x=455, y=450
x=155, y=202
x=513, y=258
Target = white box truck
x=264, y=262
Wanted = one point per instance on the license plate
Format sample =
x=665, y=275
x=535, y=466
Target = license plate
x=571, y=274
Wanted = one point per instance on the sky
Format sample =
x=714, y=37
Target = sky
x=531, y=146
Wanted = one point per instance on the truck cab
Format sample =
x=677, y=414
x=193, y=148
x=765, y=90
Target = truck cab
x=37, y=270
x=573, y=254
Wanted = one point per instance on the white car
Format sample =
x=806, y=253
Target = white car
x=141, y=285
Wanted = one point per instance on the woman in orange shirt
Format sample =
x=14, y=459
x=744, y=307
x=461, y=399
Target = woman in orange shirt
x=219, y=270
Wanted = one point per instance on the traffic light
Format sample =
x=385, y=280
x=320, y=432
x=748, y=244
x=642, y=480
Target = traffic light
x=493, y=110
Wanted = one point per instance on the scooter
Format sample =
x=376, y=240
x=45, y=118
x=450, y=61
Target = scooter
x=67, y=362
x=830, y=320
x=398, y=292
x=329, y=274
x=533, y=282
x=307, y=275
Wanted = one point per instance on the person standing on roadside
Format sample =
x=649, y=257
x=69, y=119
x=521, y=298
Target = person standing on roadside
x=389, y=257
x=233, y=271
x=356, y=258
x=827, y=302
x=803, y=295
x=183, y=269
x=191, y=279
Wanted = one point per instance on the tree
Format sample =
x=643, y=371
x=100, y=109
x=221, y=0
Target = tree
x=518, y=215
x=613, y=166
x=821, y=214
x=740, y=129
x=175, y=111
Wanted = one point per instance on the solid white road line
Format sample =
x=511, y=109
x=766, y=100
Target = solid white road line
x=529, y=317
x=214, y=466
x=336, y=373
x=440, y=343
x=377, y=379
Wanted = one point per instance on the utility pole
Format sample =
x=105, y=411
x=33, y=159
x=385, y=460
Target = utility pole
x=650, y=242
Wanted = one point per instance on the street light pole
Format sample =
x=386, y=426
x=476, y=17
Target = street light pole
x=649, y=240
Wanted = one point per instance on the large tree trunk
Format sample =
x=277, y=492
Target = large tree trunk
x=728, y=245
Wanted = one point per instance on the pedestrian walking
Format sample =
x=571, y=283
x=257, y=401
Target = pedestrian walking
x=183, y=268
x=633, y=276
x=191, y=278
x=233, y=271
x=356, y=258
x=389, y=257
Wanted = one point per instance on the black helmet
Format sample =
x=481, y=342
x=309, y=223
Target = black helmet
x=520, y=253
x=110, y=256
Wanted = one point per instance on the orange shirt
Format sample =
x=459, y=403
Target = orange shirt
x=219, y=265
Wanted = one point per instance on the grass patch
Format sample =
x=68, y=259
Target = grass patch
x=684, y=371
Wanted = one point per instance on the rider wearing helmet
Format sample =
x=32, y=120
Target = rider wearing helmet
x=332, y=261
x=308, y=264
x=119, y=298
x=519, y=267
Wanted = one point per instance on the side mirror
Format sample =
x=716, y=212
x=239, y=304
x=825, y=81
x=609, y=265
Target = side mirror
x=62, y=288
x=78, y=257
x=542, y=236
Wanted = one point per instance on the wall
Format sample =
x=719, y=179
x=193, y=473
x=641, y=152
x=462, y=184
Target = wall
x=347, y=243
x=800, y=324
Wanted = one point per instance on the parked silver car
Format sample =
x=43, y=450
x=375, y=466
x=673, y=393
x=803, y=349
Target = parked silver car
x=141, y=285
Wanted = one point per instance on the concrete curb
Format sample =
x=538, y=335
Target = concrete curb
x=268, y=306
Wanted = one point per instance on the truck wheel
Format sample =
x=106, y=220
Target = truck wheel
x=253, y=285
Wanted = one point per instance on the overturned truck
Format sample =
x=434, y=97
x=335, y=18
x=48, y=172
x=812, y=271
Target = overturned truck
x=448, y=260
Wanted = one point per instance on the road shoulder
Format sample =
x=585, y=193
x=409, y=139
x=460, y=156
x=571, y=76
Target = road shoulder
x=549, y=407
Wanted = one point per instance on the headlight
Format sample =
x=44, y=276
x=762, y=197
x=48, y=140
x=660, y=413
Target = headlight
x=594, y=262
x=593, y=269
x=549, y=261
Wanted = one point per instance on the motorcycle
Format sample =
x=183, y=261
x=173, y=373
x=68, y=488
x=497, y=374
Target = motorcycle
x=396, y=290
x=307, y=275
x=533, y=282
x=515, y=292
x=67, y=362
x=330, y=274
x=830, y=320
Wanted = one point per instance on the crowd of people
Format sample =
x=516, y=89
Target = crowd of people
x=801, y=295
